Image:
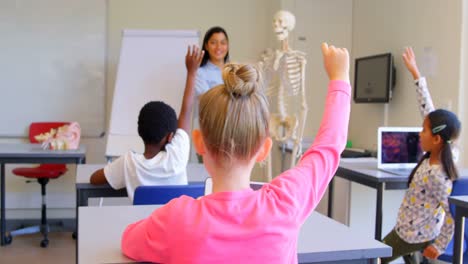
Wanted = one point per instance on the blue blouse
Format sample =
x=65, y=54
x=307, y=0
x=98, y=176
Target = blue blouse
x=208, y=77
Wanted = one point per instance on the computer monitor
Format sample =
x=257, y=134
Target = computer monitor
x=374, y=78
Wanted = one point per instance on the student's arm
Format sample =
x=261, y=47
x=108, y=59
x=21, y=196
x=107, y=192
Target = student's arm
x=424, y=97
x=441, y=191
x=301, y=188
x=98, y=177
x=192, y=62
x=113, y=173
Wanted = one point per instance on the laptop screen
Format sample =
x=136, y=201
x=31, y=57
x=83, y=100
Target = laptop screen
x=399, y=147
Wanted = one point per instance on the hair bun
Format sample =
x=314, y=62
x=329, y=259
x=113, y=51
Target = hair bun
x=240, y=79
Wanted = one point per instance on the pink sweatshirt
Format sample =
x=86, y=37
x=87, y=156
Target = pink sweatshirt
x=247, y=226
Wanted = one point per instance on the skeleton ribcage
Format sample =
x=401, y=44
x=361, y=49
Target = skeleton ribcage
x=292, y=74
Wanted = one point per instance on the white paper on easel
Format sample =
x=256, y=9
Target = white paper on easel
x=151, y=68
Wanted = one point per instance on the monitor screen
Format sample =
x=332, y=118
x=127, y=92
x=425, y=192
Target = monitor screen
x=373, y=79
x=400, y=147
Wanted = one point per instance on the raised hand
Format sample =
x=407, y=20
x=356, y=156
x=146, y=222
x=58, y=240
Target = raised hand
x=193, y=59
x=192, y=62
x=336, y=62
x=410, y=62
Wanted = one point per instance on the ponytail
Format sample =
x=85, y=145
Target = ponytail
x=413, y=172
x=446, y=158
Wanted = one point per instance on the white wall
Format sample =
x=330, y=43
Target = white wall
x=462, y=97
x=433, y=29
x=322, y=21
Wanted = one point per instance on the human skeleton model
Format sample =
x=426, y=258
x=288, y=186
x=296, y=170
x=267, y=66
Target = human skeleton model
x=288, y=66
x=62, y=138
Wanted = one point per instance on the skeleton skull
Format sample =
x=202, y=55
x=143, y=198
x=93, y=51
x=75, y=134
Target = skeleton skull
x=283, y=22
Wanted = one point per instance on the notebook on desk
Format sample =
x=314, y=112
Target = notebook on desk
x=398, y=149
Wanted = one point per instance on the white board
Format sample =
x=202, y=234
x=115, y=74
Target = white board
x=151, y=68
x=52, y=64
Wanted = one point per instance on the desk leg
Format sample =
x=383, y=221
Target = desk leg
x=78, y=197
x=2, y=205
x=378, y=213
x=459, y=233
x=330, y=198
x=75, y=234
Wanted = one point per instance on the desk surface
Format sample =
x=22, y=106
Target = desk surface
x=321, y=238
x=26, y=150
x=366, y=168
x=196, y=172
x=460, y=201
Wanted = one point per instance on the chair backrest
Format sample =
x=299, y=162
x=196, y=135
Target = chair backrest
x=37, y=128
x=162, y=194
x=460, y=187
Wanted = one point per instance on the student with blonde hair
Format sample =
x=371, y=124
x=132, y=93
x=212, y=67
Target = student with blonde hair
x=236, y=224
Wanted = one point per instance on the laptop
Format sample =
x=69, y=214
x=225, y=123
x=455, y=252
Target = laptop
x=398, y=149
x=209, y=185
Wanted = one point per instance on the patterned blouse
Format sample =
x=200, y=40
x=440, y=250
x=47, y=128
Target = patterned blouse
x=424, y=214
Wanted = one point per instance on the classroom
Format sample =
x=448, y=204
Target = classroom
x=53, y=55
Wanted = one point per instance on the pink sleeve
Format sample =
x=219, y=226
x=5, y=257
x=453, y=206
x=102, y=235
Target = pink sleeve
x=303, y=186
x=146, y=239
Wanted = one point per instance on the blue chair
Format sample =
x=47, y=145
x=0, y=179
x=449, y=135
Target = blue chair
x=460, y=187
x=162, y=194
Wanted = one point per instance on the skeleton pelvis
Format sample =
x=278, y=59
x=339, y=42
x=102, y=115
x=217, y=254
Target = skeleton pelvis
x=283, y=127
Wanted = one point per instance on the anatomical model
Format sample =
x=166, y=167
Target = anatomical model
x=284, y=74
x=62, y=138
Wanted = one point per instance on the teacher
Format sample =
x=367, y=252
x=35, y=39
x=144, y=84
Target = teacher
x=209, y=75
x=216, y=48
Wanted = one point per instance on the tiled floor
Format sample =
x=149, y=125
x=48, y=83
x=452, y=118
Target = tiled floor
x=26, y=249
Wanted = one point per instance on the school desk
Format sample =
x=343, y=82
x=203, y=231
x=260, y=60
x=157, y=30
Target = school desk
x=196, y=173
x=321, y=239
x=30, y=153
x=364, y=171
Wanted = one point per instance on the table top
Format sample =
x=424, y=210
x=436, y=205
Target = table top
x=320, y=239
x=366, y=168
x=461, y=200
x=27, y=150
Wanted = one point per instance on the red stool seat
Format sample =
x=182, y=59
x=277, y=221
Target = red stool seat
x=50, y=171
